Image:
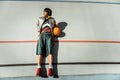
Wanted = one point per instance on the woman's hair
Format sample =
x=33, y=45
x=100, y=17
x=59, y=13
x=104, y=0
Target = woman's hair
x=49, y=11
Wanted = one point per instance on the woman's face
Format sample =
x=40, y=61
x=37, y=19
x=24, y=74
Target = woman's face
x=45, y=14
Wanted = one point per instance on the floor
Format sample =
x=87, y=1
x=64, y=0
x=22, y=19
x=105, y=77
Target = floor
x=79, y=77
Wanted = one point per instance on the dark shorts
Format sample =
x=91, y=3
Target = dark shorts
x=44, y=44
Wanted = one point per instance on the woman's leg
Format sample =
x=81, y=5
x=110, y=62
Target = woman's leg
x=50, y=58
x=39, y=60
x=40, y=45
x=49, y=53
x=50, y=68
x=39, y=55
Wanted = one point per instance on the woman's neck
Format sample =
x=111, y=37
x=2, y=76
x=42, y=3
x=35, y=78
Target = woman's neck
x=47, y=17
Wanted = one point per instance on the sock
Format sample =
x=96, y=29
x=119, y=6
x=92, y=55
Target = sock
x=38, y=66
x=50, y=66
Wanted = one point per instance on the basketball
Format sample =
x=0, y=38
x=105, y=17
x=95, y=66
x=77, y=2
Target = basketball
x=56, y=31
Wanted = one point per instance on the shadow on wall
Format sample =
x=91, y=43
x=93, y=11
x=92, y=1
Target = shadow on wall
x=62, y=26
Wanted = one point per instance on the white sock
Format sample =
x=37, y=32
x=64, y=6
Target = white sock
x=50, y=66
x=38, y=66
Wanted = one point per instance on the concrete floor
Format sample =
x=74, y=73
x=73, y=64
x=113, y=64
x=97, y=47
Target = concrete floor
x=79, y=77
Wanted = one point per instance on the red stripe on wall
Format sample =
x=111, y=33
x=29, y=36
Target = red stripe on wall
x=66, y=41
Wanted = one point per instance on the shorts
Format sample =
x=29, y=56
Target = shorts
x=44, y=44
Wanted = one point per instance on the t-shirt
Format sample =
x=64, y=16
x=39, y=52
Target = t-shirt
x=46, y=27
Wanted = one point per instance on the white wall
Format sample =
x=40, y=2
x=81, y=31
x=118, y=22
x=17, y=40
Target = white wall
x=85, y=21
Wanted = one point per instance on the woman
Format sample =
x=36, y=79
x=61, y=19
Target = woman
x=45, y=26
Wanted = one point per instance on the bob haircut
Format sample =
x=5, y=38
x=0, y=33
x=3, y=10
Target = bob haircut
x=49, y=11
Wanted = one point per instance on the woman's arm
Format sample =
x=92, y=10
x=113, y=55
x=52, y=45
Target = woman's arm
x=38, y=27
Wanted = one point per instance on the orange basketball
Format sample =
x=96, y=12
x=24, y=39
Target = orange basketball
x=56, y=31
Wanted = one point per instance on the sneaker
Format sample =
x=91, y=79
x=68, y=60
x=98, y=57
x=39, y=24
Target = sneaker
x=38, y=72
x=50, y=72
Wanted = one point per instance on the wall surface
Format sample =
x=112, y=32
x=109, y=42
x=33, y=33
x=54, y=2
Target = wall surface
x=78, y=21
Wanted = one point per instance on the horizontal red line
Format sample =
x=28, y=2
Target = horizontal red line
x=73, y=41
x=19, y=41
